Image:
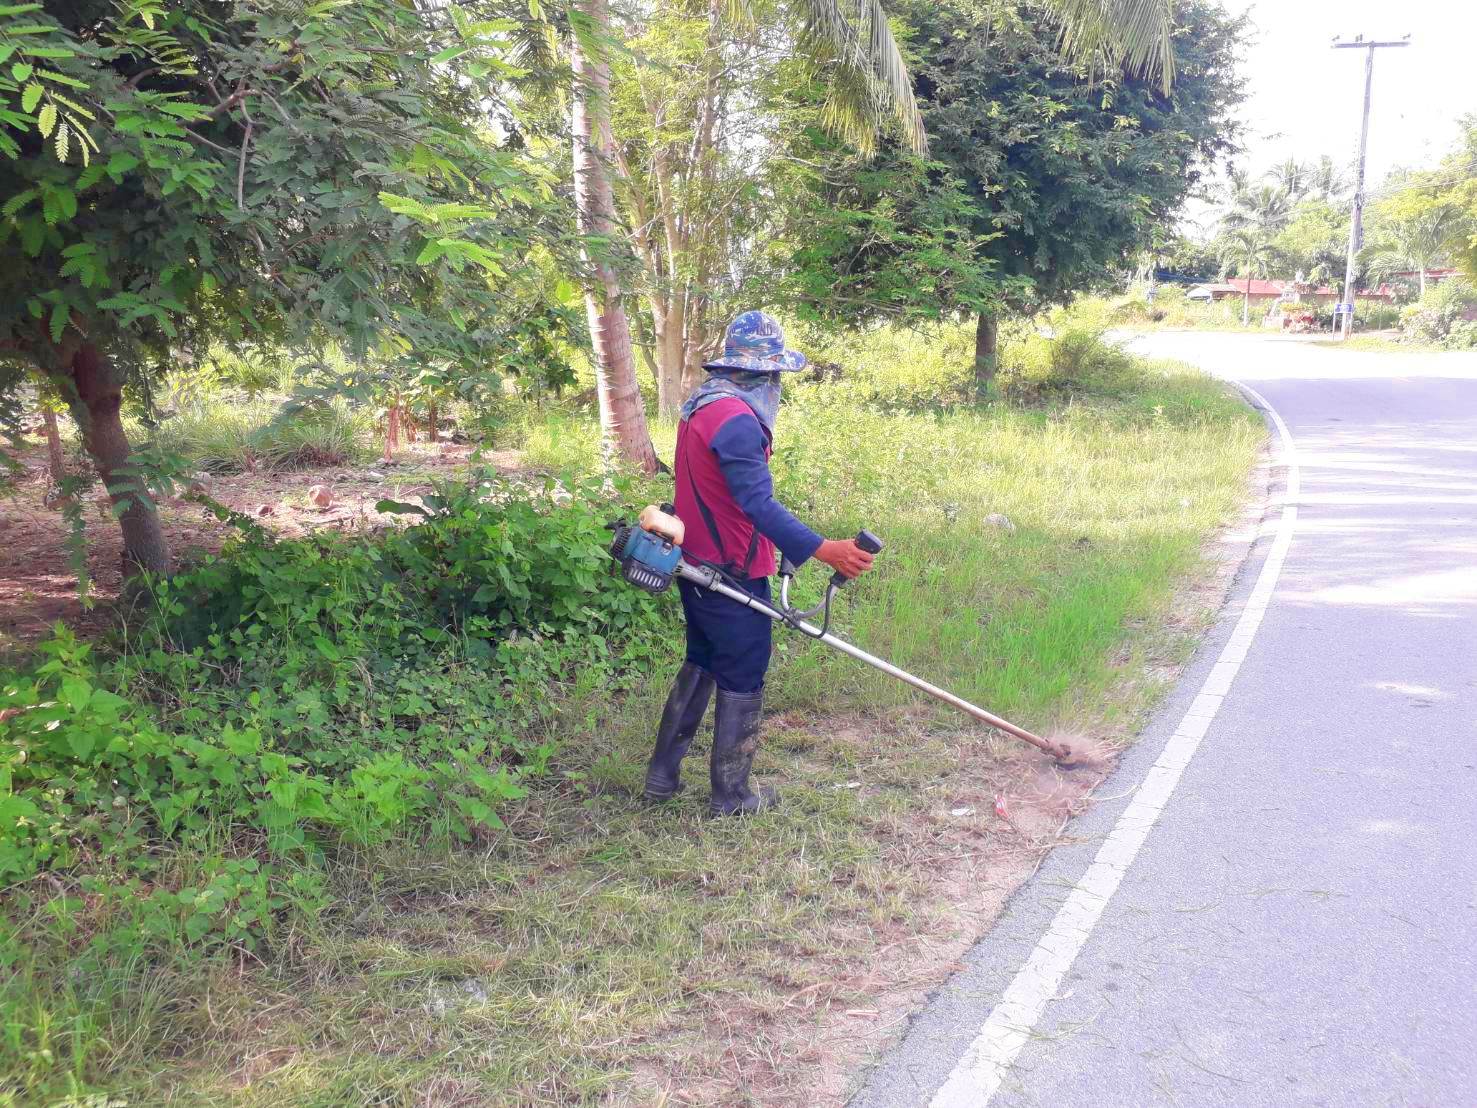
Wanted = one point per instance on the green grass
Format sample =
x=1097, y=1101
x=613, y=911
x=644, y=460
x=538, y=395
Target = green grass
x=222, y=433
x=1386, y=344
x=602, y=952
x=1110, y=501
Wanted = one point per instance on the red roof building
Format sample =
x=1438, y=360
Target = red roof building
x=1255, y=288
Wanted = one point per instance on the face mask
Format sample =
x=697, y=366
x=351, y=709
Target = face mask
x=760, y=391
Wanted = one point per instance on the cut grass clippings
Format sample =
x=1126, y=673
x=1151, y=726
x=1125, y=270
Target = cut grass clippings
x=602, y=951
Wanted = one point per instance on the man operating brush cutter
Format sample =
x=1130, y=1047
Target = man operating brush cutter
x=725, y=500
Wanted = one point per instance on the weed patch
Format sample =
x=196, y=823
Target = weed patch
x=354, y=820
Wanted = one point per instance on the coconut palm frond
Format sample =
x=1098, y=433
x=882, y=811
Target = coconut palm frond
x=739, y=13
x=870, y=80
x=1132, y=33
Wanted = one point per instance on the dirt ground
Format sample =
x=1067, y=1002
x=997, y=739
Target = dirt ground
x=38, y=586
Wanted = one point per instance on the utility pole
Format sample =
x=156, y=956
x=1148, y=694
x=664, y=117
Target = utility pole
x=1356, y=227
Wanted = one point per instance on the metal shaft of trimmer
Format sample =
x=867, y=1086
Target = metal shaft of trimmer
x=709, y=579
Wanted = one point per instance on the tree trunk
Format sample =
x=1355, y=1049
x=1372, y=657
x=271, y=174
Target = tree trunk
x=392, y=431
x=1423, y=282
x=432, y=428
x=671, y=355
x=622, y=417
x=986, y=351
x=55, y=457
x=96, y=402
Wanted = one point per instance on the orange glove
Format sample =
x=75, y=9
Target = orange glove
x=844, y=556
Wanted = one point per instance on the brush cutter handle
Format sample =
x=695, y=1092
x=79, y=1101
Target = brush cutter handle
x=866, y=541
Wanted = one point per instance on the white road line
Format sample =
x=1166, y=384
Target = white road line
x=984, y=1065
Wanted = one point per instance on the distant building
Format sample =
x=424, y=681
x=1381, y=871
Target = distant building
x=1433, y=276
x=1258, y=290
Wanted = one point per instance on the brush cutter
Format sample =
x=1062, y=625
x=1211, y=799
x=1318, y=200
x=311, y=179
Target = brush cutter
x=650, y=556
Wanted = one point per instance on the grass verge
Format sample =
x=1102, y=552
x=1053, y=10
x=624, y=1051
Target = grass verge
x=601, y=951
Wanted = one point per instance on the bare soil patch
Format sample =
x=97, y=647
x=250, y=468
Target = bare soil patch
x=38, y=586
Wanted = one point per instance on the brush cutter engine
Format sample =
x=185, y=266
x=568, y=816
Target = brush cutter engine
x=648, y=560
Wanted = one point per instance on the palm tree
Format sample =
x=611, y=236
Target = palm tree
x=870, y=83
x=1256, y=215
x=622, y=415
x=1417, y=242
x=1248, y=250
x=1324, y=180
x=1294, y=178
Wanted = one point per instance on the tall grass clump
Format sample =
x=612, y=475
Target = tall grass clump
x=1022, y=537
x=224, y=433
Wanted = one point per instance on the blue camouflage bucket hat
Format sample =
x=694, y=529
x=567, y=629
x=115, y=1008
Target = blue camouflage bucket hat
x=755, y=341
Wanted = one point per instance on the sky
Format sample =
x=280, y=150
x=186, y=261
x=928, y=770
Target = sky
x=1305, y=98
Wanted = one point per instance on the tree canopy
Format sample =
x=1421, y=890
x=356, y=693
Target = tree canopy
x=1043, y=172
x=177, y=175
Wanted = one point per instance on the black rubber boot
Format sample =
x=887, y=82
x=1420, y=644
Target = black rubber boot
x=681, y=718
x=735, y=739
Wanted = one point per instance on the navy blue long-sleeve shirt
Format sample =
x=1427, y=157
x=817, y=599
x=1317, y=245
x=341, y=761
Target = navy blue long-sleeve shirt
x=740, y=445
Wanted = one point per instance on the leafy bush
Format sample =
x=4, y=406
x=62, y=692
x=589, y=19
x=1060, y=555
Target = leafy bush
x=893, y=368
x=288, y=696
x=1077, y=361
x=1443, y=309
x=1462, y=336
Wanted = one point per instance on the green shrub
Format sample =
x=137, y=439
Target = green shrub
x=1375, y=315
x=1075, y=362
x=1433, y=318
x=225, y=433
x=285, y=697
x=893, y=368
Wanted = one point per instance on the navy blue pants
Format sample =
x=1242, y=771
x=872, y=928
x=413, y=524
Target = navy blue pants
x=725, y=638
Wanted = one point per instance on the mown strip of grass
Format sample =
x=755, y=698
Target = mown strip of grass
x=599, y=948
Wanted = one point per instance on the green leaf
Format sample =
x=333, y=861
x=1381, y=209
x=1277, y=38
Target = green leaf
x=241, y=743
x=400, y=508
x=449, y=54
x=60, y=316
x=120, y=163
x=31, y=97
x=63, y=142
x=326, y=648
x=82, y=743
x=75, y=692
x=46, y=121
x=22, y=71
x=17, y=202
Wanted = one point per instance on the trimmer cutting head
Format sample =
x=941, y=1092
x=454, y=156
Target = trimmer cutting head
x=1072, y=750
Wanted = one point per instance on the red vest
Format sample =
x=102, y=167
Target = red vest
x=737, y=546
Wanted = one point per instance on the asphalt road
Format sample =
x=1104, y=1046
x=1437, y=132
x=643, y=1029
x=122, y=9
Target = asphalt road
x=1299, y=923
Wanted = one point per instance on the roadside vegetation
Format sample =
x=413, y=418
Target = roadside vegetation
x=1291, y=224
x=354, y=818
